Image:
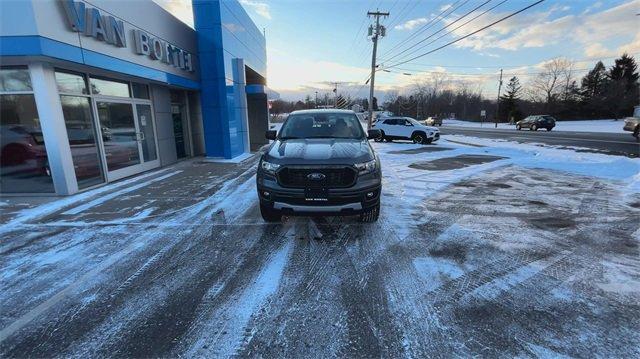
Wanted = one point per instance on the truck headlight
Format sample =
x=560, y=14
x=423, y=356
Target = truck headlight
x=366, y=167
x=269, y=167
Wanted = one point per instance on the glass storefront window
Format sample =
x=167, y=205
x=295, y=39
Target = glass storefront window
x=140, y=90
x=71, y=83
x=109, y=87
x=15, y=79
x=24, y=166
x=82, y=140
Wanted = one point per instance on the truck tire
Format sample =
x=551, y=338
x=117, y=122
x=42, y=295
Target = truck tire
x=381, y=138
x=371, y=215
x=270, y=215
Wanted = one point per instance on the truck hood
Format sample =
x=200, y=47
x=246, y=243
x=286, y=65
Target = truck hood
x=320, y=150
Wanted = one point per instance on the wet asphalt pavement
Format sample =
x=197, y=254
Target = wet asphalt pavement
x=510, y=262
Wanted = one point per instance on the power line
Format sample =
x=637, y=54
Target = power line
x=427, y=25
x=402, y=14
x=450, y=24
x=452, y=30
x=470, y=34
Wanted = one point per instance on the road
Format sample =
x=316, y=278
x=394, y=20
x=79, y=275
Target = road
x=473, y=255
x=610, y=143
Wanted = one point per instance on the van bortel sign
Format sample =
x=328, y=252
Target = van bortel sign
x=111, y=30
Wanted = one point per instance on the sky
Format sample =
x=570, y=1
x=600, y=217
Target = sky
x=313, y=43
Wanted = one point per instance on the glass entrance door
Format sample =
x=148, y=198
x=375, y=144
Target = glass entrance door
x=120, y=136
x=128, y=138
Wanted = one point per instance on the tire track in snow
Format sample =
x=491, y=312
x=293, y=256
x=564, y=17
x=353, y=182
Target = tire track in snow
x=239, y=310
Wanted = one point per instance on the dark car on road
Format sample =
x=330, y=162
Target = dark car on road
x=534, y=123
x=320, y=163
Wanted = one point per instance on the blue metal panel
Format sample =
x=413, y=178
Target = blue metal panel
x=42, y=46
x=253, y=89
x=225, y=32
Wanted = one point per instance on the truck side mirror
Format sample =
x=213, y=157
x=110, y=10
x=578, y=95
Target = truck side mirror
x=271, y=135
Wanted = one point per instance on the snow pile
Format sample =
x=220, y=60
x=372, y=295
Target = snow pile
x=605, y=125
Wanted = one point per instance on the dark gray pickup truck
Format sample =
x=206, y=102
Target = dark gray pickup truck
x=320, y=163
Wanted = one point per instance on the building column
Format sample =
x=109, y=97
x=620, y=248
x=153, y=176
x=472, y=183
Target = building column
x=240, y=101
x=54, y=129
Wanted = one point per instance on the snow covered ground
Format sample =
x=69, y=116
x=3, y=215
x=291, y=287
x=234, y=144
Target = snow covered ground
x=605, y=125
x=483, y=248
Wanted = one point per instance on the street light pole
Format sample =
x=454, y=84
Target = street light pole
x=375, y=33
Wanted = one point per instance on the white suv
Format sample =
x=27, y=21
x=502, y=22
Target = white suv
x=406, y=128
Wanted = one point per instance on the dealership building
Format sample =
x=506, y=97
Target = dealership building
x=92, y=91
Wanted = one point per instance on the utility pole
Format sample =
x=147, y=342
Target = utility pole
x=498, y=104
x=375, y=32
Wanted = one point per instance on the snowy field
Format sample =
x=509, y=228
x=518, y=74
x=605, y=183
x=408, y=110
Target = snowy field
x=483, y=248
x=605, y=125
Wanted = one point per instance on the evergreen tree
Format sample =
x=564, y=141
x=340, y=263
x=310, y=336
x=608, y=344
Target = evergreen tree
x=593, y=84
x=622, y=90
x=509, y=101
x=625, y=69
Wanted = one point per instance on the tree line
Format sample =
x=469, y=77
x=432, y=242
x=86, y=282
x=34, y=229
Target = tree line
x=556, y=90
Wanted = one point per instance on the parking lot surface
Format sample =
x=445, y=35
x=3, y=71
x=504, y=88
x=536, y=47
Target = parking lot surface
x=482, y=248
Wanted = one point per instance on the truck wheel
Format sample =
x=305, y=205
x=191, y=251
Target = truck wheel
x=534, y=128
x=518, y=127
x=371, y=215
x=270, y=215
x=381, y=138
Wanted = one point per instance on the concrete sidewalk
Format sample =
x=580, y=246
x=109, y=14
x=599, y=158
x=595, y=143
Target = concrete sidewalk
x=148, y=194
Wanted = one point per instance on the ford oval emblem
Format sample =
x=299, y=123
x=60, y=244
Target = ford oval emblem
x=316, y=176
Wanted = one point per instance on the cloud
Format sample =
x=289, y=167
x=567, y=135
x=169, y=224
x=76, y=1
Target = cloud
x=259, y=7
x=536, y=30
x=178, y=8
x=411, y=24
x=288, y=72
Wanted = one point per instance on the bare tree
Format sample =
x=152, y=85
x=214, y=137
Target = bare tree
x=553, y=81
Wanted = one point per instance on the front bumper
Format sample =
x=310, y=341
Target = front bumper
x=339, y=201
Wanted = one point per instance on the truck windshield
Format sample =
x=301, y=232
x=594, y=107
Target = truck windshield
x=322, y=125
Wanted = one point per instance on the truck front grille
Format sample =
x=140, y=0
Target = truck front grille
x=334, y=177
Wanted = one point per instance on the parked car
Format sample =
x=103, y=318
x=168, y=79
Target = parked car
x=320, y=163
x=533, y=123
x=433, y=121
x=406, y=128
x=632, y=124
x=23, y=148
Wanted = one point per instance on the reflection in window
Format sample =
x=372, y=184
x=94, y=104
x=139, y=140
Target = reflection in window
x=140, y=90
x=71, y=83
x=109, y=88
x=82, y=140
x=15, y=79
x=23, y=158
